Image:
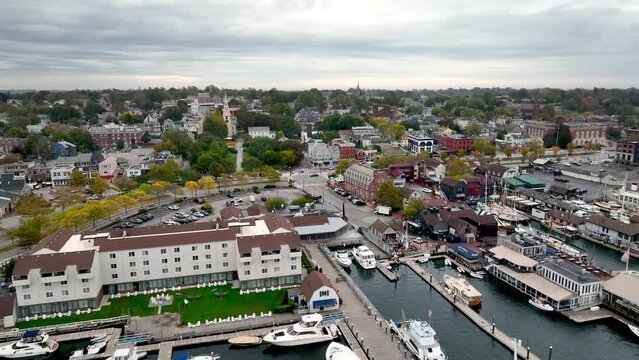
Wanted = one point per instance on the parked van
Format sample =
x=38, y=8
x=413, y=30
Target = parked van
x=252, y=198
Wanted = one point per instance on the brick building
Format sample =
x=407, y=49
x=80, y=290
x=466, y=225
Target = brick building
x=347, y=150
x=627, y=152
x=363, y=181
x=456, y=142
x=582, y=133
x=108, y=136
x=8, y=144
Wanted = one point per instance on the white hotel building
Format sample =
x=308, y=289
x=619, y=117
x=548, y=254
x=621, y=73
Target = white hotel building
x=68, y=271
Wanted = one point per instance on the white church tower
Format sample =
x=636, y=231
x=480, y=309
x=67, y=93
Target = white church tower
x=229, y=119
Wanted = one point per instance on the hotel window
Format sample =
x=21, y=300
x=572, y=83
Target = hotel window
x=196, y=267
x=225, y=254
x=63, y=282
x=162, y=251
x=114, y=266
x=165, y=261
x=147, y=272
x=132, y=264
x=176, y=249
x=225, y=245
x=209, y=266
x=177, y=259
x=114, y=276
x=131, y=253
x=264, y=271
x=85, y=280
x=24, y=287
x=47, y=284
x=277, y=269
x=134, y=274
x=145, y=262
x=145, y=252
x=65, y=292
x=193, y=248
x=165, y=271
x=207, y=256
x=111, y=256
x=195, y=258
x=247, y=272
x=207, y=247
x=293, y=267
x=324, y=293
x=49, y=294
x=86, y=290
x=27, y=296
x=225, y=264
x=178, y=269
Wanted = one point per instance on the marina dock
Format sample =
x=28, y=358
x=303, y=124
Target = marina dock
x=480, y=322
x=390, y=275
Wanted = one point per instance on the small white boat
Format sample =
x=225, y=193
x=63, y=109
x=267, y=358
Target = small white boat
x=540, y=304
x=424, y=259
x=476, y=275
x=308, y=331
x=245, y=340
x=337, y=351
x=460, y=270
x=341, y=256
x=447, y=262
x=634, y=329
x=364, y=257
x=127, y=354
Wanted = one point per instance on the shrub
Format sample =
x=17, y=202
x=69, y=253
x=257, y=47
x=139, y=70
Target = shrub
x=142, y=211
x=207, y=207
x=301, y=201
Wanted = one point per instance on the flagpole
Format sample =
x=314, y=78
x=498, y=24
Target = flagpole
x=628, y=259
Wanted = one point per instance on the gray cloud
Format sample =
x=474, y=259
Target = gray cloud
x=73, y=44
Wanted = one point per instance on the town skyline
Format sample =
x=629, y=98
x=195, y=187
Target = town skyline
x=319, y=44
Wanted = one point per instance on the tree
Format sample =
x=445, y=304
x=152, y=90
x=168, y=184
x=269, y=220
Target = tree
x=192, y=186
x=125, y=201
x=458, y=169
x=443, y=156
x=63, y=198
x=159, y=187
x=474, y=128
x=110, y=206
x=275, y=203
x=379, y=123
x=484, y=147
x=389, y=195
x=524, y=151
x=119, y=145
x=95, y=211
x=555, y=149
x=146, y=138
x=562, y=140
x=412, y=208
x=6, y=269
x=395, y=131
x=287, y=157
x=587, y=146
x=613, y=132
x=570, y=147
x=535, y=149
x=28, y=232
x=214, y=125
x=98, y=185
x=16, y=132
x=124, y=184
x=32, y=205
x=343, y=165
x=75, y=217
x=169, y=171
x=508, y=151
x=77, y=179
x=460, y=153
x=207, y=183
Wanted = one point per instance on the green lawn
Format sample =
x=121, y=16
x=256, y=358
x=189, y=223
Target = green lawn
x=206, y=307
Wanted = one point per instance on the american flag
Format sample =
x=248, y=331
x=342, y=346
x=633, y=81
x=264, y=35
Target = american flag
x=626, y=256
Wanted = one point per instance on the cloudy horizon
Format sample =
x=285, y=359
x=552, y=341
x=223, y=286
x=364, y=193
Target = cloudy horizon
x=301, y=44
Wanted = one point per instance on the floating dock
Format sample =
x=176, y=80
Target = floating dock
x=487, y=327
x=390, y=275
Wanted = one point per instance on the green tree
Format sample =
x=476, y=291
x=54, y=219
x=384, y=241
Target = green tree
x=458, y=169
x=413, y=207
x=75, y=218
x=146, y=138
x=119, y=145
x=159, y=188
x=287, y=157
x=32, y=205
x=343, y=165
x=6, y=269
x=443, y=157
x=275, y=203
x=16, y=132
x=535, y=149
x=214, y=125
x=169, y=171
x=379, y=123
x=395, y=131
x=124, y=184
x=474, y=128
x=28, y=232
x=484, y=147
x=613, y=132
x=98, y=185
x=508, y=151
x=389, y=195
x=551, y=138
x=110, y=206
x=64, y=198
x=77, y=179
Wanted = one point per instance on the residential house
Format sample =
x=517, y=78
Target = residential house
x=261, y=131
x=61, y=173
x=8, y=144
x=453, y=189
x=63, y=149
x=347, y=150
x=109, y=135
x=321, y=154
x=411, y=193
x=11, y=188
x=612, y=231
x=319, y=293
x=380, y=231
x=419, y=142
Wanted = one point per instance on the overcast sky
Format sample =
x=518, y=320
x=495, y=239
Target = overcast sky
x=299, y=44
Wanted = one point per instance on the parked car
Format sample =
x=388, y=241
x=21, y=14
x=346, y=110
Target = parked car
x=137, y=221
x=125, y=225
x=199, y=200
x=359, y=202
x=174, y=207
x=237, y=190
x=169, y=222
x=263, y=198
x=199, y=214
x=256, y=189
x=146, y=217
x=270, y=186
x=229, y=195
x=313, y=175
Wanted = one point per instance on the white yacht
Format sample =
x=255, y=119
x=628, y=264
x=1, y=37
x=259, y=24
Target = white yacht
x=634, y=329
x=308, y=331
x=540, y=304
x=92, y=349
x=364, y=257
x=32, y=345
x=337, y=351
x=419, y=337
x=341, y=256
x=463, y=290
x=127, y=354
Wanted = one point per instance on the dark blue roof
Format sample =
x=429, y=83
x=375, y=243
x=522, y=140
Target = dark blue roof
x=465, y=252
x=181, y=357
x=30, y=333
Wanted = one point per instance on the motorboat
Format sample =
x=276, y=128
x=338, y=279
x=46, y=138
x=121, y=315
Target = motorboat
x=540, y=304
x=127, y=354
x=460, y=270
x=32, y=344
x=476, y=275
x=100, y=338
x=424, y=259
x=308, y=331
x=92, y=349
x=420, y=339
x=245, y=340
x=364, y=257
x=461, y=289
x=634, y=329
x=196, y=357
x=341, y=256
x=447, y=262
x=337, y=351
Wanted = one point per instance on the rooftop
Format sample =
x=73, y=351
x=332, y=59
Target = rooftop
x=539, y=283
x=465, y=252
x=625, y=285
x=570, y=270
x=502, y=252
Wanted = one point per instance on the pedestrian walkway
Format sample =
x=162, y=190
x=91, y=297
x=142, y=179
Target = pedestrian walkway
x=367, y=325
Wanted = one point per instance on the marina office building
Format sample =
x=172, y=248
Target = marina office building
x=68, y=271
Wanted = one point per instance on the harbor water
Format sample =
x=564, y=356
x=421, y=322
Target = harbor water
x=411, y=298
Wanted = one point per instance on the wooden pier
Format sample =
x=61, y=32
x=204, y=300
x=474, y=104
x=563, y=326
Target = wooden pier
x=390, y=275
x=483, y=324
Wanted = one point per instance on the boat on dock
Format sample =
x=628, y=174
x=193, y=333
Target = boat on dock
x=420, y=339
x=424, y=259
x=460, y=270
x=308, y=331
x=337, y=351
x=33, y=344
x=245, y=340
x=92, y=349
x=341, y=256
x=540, y=304
x=128, y=354
x=463, y=290
x=447, y=262
x=476, y=275
x=364, y=257
x=634, y=329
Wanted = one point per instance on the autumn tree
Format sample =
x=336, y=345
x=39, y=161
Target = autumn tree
x=379, y=123
x=159, y=188
x=110, y=206
x=28, y=232
x=125, y=201
x=484, y=147
x=207, y=183
x=95, y=211
x=412, y=208
x=474, y=128
x=124, y=184
x=98, y=185
x=395, y=131
x=458, y=169
x=443, y=157
x=524, y=152
x=508, y=151
x=192, y=186
x=571, y=147
x=31, y=205
x=64, y=198
x=77, y=178
x=555, y=149
x=535, y=149
x=75, y=217
x=389, y=195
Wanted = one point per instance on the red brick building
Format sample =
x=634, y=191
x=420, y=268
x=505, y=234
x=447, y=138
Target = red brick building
x=582, y=133
x=347, y=150
x=109, y=135
x=455, y=143
x=363, y=181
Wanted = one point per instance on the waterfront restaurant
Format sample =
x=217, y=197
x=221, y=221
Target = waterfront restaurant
x=467, y=256
x=621, y=295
